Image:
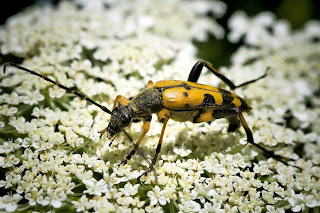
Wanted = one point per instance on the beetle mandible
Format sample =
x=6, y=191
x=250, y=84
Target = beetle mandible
x=178, y=100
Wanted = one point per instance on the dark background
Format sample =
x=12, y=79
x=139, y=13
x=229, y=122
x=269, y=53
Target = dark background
x=217, y=51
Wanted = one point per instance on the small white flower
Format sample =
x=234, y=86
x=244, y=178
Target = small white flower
x=32, y=196
x=56, y=92
x=182, y=151
x=272, y=209
x=156, y=196
x=95, y=187
x=125, y=201
x=8, y=111
x=56, y=196
x=261, y=168
x=168, y=157
x=10, y=146
x=212, y=207
x=311, y=201
x=128, y=189
x=10, y=202
x=186, y=194
x=295, y=201
x=189, y=206
x=154, y=209
x=253, y=29
x=84, y=204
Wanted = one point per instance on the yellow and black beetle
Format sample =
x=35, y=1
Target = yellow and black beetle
x=178, y=100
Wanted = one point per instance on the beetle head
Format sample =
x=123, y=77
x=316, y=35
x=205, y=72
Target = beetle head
x=121, y=117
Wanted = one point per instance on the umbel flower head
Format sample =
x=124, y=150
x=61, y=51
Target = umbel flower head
x=53, y=158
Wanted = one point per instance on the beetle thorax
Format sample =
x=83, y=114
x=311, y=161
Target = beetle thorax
x=147, y=102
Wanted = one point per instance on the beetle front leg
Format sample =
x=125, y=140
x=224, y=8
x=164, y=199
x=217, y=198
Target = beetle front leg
x=122, y=100
x=145, y=129
x=102, y=132
x=163, y=116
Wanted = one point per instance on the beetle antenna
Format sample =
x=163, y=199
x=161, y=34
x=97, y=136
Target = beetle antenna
x=59, y=85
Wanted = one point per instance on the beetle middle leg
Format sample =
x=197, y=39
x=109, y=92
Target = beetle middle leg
x=234, y=123
x=197, y=68
x=163, y=116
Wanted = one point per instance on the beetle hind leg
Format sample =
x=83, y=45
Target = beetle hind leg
x=197, y=68
x=251, y=141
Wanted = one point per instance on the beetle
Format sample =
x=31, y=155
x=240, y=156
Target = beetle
x=174, y=99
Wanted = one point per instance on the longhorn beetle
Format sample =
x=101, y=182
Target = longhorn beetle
x=178, y=100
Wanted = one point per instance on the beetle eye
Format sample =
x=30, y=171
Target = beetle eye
x=125, y=120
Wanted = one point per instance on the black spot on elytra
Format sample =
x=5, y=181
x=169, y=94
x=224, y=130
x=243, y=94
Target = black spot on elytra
x=207, y=101
x=185, y=94
x=187, y=106
x=226, y=96
x=186, y=86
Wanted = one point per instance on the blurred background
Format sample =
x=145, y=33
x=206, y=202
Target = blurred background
x=218, y=52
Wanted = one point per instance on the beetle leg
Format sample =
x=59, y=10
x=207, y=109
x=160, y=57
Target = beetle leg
x=150, y=84
x=120, y=99
x=197, y=68
x=145, y=129
x=102, y=132
x=250, y=140
x=140, y=153
x=163, y=116
x=234, y=123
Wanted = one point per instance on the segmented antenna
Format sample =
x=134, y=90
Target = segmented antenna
x=59, y=85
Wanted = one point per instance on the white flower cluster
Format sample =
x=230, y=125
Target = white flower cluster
x=286, y=103
x=50, y=148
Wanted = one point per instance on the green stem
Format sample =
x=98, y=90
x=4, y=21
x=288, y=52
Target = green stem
x=171, y=207
x=23, y=208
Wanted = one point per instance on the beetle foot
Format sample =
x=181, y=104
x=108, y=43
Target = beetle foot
x=123, y=162
x=145, y=173
x=102, y=132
